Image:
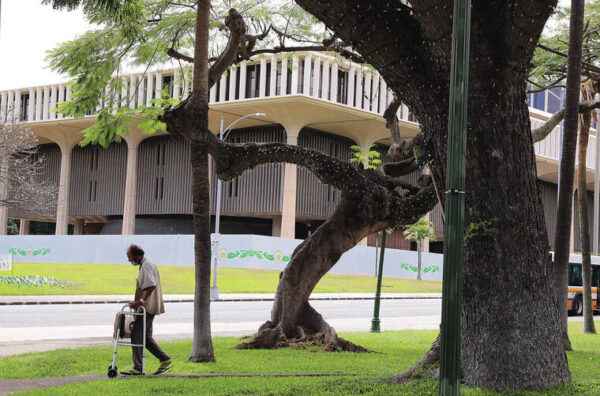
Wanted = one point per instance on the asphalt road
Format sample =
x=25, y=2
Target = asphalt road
x=25, y=316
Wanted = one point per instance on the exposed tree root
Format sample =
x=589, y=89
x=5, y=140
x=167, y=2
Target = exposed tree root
x=425, y=366
x=269, y=337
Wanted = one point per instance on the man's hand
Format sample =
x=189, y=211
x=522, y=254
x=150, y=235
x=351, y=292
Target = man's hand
x=135, y=304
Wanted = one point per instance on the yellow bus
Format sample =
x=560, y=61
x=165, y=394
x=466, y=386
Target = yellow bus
x=575, y=303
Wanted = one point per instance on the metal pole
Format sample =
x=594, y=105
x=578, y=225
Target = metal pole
x=455, y=200
x=597, y=181
x=375, y=323
x=214, y=290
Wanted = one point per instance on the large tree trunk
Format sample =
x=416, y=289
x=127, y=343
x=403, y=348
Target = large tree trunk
x=508, y=304
x=584, y=225
x=565, y=189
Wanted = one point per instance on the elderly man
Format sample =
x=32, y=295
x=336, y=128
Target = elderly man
x=149, y=294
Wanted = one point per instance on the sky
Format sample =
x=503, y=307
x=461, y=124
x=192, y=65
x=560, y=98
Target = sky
x=27, y=30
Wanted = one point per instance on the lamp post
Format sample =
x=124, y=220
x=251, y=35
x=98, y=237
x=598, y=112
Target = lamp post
x=450, y=347
x=375, y=322
x=214, y=290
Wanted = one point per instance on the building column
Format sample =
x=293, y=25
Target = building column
x=288, y=201
x=24, y=227
x=133, y=140
x=79, y=227
x=62, y=207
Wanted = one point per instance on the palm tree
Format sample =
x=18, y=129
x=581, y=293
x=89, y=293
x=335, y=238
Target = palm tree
x=418, y=232
x=567, y=167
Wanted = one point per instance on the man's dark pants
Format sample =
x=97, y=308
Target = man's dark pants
x=137, y=336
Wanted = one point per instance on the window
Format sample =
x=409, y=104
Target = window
x=278, y=79
x=167, y=83
x=575, y=276
x=334, y=151
x=93, y=184
x=539, y=100
x=595, y=275
x=159, y=181
x=554, y=100
x=342, y=87
x=301, y=75
x=252, y=81
x=23, y=111
x=268, y=82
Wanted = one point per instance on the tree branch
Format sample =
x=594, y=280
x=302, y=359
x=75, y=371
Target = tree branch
x=588, y=66
x=541, y=132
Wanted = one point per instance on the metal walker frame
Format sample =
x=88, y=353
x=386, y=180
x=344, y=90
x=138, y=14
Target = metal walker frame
x=112, y=369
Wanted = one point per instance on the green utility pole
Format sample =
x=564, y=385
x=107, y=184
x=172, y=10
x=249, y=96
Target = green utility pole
x=455, y=202
x=375, y=328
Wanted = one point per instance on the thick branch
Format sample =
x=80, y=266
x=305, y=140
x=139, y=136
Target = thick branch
x=541, y=132
x=233, y=159
x=316, y=48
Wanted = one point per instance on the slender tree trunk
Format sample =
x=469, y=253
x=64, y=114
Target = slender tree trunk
x=565, y=193
x=584, y=225
x=202, y=349
x=196, y=128
x=419, y=264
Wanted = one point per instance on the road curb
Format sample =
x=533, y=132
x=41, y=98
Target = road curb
x=188, y=300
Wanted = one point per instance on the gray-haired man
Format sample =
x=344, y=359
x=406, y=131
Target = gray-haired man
x=148, y=293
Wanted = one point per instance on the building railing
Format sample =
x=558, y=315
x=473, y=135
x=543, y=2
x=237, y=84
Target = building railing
x=315, y=75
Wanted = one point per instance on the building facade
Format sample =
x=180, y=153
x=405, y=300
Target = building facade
x=143, y=185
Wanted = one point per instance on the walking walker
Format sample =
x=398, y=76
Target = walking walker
x=112, y=369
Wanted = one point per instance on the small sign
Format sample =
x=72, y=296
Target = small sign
x=6, y=262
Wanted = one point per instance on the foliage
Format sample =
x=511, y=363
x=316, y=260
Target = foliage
x=22, y=184
x=549, y=69
x=137, y=34
x=482, y=228
x=36, y=281
x=420, y=231
x=12, y=227
x=369, y=158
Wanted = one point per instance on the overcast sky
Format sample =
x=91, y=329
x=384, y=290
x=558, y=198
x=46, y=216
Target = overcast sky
x=27, y=30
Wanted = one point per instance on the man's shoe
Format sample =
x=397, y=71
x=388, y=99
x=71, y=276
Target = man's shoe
x=132, y=371
x=164, y=366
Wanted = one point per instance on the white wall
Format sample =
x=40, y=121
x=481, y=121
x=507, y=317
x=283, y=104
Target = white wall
x=235, y=251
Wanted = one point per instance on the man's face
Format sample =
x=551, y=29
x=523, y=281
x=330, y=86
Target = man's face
x=132, y=259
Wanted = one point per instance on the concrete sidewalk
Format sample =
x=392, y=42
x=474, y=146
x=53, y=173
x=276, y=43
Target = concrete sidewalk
x=179, y=298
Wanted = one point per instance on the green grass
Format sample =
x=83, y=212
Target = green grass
x=397, y=351
x=120, y=279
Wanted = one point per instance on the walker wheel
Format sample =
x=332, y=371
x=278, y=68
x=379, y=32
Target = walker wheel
x=112, y=372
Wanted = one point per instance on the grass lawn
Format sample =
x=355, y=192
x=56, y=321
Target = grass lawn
x=120, y=279
x=397, y=351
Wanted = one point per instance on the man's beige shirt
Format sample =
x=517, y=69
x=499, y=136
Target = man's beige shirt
x=147, y=277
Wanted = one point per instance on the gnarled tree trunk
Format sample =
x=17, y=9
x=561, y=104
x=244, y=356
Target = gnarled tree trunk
x=508, y=304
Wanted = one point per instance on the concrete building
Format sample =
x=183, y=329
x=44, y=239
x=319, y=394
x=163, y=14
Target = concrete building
x=142, y=185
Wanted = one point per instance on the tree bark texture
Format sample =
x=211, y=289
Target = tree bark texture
x=567, y=168
x=508, y=303
x=584, y=225
x=192, y=121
